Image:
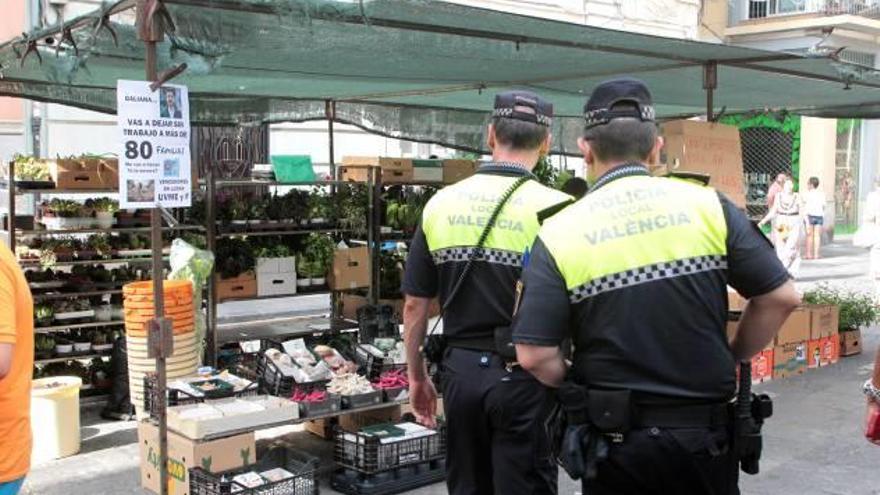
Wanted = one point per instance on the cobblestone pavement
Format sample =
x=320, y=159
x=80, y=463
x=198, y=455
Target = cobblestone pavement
x=813, y=442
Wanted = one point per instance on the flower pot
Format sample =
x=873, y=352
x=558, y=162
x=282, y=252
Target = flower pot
x=82, y=346
x=303, y=283
x=67, y=223
x=318, y=221
x=104, y=313
x=102, y=348
x=117, y=313
x=63, y=349
x=104, y=219
x=304, y=222
x=318, y=282
x=45, y=322
x=44, y=354
x=63, y=254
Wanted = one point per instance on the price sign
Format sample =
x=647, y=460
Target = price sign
x=154, y=133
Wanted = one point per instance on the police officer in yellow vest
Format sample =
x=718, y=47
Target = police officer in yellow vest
x=636, y=274
x=493, y=411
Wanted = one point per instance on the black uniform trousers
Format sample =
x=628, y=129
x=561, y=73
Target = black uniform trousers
x=669, y=461
x=496, y=442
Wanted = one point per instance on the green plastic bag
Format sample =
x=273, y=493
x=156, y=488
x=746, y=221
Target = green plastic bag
x=293, y=168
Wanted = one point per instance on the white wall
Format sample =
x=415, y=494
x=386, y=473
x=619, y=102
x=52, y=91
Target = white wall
x=12, y=140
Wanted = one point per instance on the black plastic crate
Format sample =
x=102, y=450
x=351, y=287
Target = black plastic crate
x=351, y=482
x=373, y=365
x=177, y=397
x=300, y=464
x=273, y=382
x=395, y=394
x=333, y=404
x=368, y=399
x=368, y=455
x=376, y=322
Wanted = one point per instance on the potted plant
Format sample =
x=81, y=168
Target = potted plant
x=296, y=204
x=67, y=214
x=101, y=341
x=105, y=210
x=100, y=371
x=63, y=347
x=44, y=346
x=118, y=311
x=320, y=208
x=44, y=315
x=73, y=311
x=319, y=249
x=63, y=248
x=234, y=257
x=304, y=272
x=82, y=343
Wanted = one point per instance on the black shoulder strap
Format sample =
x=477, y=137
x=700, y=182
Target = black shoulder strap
x=478, y=249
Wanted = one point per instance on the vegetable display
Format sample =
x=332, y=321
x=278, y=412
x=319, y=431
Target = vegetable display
x=391, y=379
x=349, y=384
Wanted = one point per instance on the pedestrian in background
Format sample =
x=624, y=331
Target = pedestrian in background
x=494, y=409
x=787, y=215
x=636, y=274
x=16, y=369
x=814, y=208
x=775, y=188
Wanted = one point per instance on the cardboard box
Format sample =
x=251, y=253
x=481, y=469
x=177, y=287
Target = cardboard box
x=427, y=171
x=276, y=276
x=351, y=269
x=218, y=455
x=824, y=321
x=850, y=343
x=242, y=286
x=456, y=170
x=356, y=421
x=394, y=170
x=823, y=352
x=356, y=174
x=88, y=173
x=796, y=328
x=321, y=427
x=789, y=360
x=708, y=148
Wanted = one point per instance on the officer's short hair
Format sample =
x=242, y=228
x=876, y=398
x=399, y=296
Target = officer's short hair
x=622, y=139
x=519, y=134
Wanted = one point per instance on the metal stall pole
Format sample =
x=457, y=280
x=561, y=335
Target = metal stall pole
x=710, y=83
x=330, y=113
x=10, y=220
x=150, y=31
x=372, y=230
x=211, y=244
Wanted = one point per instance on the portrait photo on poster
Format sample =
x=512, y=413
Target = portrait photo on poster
x=169, y=103
x=141, y=191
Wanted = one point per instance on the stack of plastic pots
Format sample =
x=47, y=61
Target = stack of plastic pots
x=139, y=310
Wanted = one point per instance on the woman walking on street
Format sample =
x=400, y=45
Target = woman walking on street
x=814, y=208
x=788, y=226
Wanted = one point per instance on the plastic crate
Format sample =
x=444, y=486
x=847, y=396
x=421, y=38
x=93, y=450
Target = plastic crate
x=362, y=400
x=176, y=397
x=273, y=382
x=367, y=454
x=351, y=482
x=373, y=365
x=300, y=464
x=333, y=404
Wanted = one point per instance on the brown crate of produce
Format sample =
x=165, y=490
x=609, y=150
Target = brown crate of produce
x=789, y=360
x=850, y=343
x=242, y=286
x=393, y=170
x=351, y=269
x=824, y=321
x=356, y=421
x=86, y=173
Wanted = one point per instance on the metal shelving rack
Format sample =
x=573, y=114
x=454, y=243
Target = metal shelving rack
x=55, y=293
x=212, y=185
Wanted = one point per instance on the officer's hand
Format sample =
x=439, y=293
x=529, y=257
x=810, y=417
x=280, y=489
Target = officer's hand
x=871, y=413
x=423, y=397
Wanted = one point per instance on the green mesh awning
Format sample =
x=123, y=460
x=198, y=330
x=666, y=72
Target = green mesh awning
x=420, y=70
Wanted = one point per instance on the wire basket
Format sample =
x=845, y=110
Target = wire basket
x=368, y=454
x=300, y=464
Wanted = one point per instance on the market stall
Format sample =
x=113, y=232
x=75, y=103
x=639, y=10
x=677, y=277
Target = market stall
x=423, y=71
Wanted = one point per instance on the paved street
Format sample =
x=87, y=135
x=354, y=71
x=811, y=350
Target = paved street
x=813, y=443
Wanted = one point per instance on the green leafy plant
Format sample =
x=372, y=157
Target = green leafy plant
x=857, y=309
x=352, y=208
x=44, y=343
x=30, y=168
x=545, y=172
x=319, y=249
x=44, y=312
x=320, y=205
x=64, y=208
x=234, y=257
x=272, y=251
x=391, y=264
x=100, y=243
x=105, y=205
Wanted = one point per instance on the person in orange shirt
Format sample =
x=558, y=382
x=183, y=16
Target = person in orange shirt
x=16, y=368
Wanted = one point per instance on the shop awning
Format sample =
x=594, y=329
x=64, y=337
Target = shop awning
x=420, y=70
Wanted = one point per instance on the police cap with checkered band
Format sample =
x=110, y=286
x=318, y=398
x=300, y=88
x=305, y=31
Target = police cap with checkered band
x=600, y=108
x=525, y=106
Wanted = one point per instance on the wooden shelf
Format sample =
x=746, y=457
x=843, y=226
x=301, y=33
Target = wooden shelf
x=65, y=295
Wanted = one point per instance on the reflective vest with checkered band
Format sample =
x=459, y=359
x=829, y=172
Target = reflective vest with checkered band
x=636, y=230
x=456, y=216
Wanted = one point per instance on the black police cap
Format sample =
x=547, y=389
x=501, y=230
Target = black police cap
x=525, y=106
x=599, y=108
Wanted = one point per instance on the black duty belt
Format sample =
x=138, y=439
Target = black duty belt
x=486, y=344
x=682, y=416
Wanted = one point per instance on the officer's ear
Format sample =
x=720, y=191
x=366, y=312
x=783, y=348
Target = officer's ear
x=545, y=146
x=491, y=140
x=586, y=150
x=654, y=157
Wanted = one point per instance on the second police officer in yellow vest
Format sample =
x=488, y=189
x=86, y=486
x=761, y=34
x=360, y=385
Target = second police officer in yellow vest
x=493, y=411
x=636, y=274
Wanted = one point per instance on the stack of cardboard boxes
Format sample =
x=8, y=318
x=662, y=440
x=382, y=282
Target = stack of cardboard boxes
x=405, y=170
x=808, y=339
